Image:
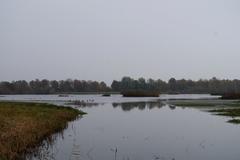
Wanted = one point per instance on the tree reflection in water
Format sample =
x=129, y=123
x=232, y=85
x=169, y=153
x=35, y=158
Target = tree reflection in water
x=127, y=106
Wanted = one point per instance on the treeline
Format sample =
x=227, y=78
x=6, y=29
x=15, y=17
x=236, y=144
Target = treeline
x=50, y=87
x=214, y=86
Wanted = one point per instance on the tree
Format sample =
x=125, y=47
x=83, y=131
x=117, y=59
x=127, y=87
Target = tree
x=116, y=86
x=172, y=84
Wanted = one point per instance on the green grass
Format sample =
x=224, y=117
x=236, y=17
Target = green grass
x=23, y=126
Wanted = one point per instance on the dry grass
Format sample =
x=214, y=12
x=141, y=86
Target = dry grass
x=24, y=125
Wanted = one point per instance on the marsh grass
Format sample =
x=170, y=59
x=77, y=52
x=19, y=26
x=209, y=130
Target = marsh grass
x=234, y=121
x=205, y=103
x=24, y=126
x=228, y=108
x=229, y=112
x=192, y=104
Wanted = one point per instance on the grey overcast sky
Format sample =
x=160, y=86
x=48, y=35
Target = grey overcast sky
x=108, y=39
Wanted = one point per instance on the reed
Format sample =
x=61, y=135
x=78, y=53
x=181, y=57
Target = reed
x=23, y=126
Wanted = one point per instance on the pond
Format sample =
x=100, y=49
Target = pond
x=139, y=129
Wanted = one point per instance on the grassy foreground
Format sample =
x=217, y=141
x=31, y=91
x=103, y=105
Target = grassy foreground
x=23, y=126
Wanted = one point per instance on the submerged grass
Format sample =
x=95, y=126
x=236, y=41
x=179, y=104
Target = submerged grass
x=24, y=126
x=234, y=121
x=229, y=108
x=204, y=103
x=234, y=113
x=192, y=104
x=231, y=112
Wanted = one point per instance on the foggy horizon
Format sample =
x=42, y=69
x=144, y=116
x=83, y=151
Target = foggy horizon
x=104, y=41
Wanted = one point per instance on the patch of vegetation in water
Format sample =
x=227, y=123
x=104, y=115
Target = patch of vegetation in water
x=204, y=103
x=25, y=125
x=234, y=121
x=228, y=108
x=192, y=104
x=229, y=112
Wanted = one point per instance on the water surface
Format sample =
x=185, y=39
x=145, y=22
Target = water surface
x=141, y=129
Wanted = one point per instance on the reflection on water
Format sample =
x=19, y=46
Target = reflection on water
x=47, y=150
x=127, y=106
x=83, y=104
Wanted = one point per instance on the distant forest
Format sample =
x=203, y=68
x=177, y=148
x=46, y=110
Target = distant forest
x=52, y=87
x=172, y=86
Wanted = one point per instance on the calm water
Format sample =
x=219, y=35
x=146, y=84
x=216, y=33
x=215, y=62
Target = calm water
x=140, y=129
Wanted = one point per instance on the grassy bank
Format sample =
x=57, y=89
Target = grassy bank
x=23, y=126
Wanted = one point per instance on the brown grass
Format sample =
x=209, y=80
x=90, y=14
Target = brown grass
x=25, y=125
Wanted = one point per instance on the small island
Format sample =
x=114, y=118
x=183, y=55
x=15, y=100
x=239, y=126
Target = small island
x=140, y=93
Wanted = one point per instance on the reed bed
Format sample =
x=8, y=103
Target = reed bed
x=23, y=126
